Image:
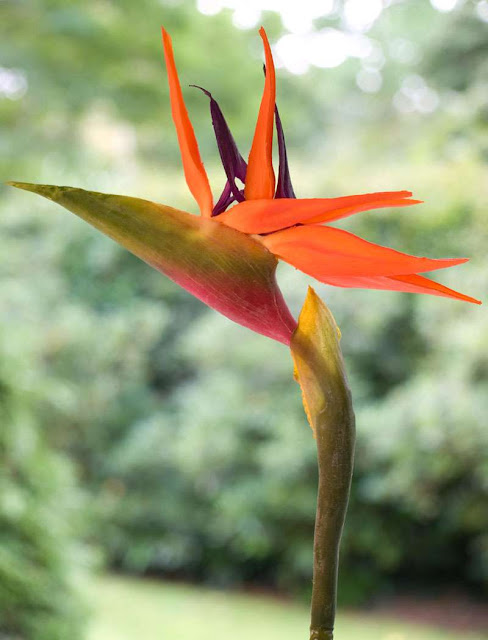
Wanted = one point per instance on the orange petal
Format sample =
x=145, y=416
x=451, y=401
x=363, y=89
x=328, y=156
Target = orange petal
x=323, y=252
x=266, y=216
x=195, y=174
x=413, y=283
x=260, y=179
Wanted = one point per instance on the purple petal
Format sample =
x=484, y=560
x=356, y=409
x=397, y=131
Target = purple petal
x=224, y=201
x=284, y=187
x=234, y=164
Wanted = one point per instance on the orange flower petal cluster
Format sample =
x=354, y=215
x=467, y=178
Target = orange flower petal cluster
x=294, y=230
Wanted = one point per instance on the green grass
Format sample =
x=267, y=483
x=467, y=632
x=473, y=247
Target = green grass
x=131, y=609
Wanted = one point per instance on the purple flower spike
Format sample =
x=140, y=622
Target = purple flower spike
x=234, y=164
x=224, y=201
x=284, y=187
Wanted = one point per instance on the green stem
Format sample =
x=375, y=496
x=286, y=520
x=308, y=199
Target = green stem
x=319, y=369
x=335, y=434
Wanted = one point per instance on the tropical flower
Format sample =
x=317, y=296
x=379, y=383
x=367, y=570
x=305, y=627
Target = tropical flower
x=227, y=256
x=294, y=230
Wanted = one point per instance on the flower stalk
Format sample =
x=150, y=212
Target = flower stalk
x=319, y=369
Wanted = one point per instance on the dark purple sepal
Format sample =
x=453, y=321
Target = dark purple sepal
x=226, y=199
x=234, y=164
x=284, y=187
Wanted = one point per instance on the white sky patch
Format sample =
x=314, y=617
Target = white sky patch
x=290, y=53
x=297, y=15
x=303, y=46
x=360, y=15
x=13, y=83
x=209, y=7
x=415, y=95
x=403, y=51
x=482, y=10
x=327, y=49
x=246, y=17
x=360, y=46
x=375, y=60
x=444, y=5
x=369, y=81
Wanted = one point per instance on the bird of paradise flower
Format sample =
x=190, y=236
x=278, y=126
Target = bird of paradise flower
x=227, y=258
x=293, y=229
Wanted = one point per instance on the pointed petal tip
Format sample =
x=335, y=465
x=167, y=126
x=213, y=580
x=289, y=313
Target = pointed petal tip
x=27, y=186
x=425, y=285
x=455, y=261
x=166, y=38
x=260, y=178
x=41, y=189
x=314, y=250
x=197, y=86
x=313, y=300
x=264, y=38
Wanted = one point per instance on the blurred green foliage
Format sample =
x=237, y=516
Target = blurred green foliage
x=40, y=514
x=185, y=431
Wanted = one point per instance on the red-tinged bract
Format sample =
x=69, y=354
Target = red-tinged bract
x=227, y=270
